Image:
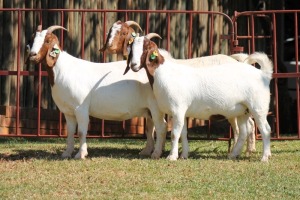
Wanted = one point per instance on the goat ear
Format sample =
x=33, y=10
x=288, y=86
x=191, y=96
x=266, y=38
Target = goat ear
x=153, y=60
x=52, y=55
x=128, y=41
x=126, y=45
x=128, y=62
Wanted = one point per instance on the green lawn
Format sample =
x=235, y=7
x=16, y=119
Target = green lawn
x=32, y=169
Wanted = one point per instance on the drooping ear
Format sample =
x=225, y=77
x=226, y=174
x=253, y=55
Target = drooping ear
x=52, y=55
x=106, y=41
x=128, y=41
x=153, y=60
x=128, y=62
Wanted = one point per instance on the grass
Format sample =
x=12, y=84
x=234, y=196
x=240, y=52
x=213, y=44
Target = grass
x=33, y=169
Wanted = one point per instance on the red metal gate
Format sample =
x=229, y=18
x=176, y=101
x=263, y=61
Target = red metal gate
x=276, y=32
x=14, y=118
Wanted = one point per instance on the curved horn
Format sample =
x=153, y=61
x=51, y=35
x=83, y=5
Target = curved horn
x=151, y=35
x=130, y=23
x=52, y=28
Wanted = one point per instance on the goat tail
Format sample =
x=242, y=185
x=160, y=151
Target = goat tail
x=266, y=65
x=241, y=57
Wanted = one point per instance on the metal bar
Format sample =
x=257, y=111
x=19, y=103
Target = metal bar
x=168, y=32
x=104, y=35
x=276, y=80
x=252, y=34
x=147, y=23
x=297, y=70
x=39, y=87
x=190, y=36
x=211, y=34
x=82, y=34
x=18, y=75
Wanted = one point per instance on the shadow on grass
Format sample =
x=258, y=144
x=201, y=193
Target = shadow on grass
x=108, y=152
x=23, y=155
x=127, y=150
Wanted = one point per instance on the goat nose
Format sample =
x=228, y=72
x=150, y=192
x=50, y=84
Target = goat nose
x=132, y=65
x=32, y=54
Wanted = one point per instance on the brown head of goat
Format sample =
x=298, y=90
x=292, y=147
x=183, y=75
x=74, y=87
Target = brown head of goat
x=120, y=35
x=45, y=49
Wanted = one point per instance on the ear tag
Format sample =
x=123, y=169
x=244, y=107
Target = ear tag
x=52, y=54
x=54, y=51
x=130, y=40
x=154, y=55
x=133, y=34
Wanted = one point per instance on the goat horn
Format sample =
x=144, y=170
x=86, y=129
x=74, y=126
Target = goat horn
x=130, y=23
x=52, y=28
x=151, y=35
x=39, y=28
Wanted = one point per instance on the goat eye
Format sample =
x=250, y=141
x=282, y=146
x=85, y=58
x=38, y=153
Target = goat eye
x=124, y=33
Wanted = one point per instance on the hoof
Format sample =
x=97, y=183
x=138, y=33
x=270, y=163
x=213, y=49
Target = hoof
x=183, y=156
x=155, y=155
x=265, y=158
x=81, y=155
x=232, y=157
x=66, y=155
x=172, y=157
x=145, y=152
x=249, y=152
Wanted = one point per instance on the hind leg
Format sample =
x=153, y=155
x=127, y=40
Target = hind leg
x=235, y=128
x=161, y=131
x=184, y=141
x=251, y=137
x=265, y=131
x=150, y=138
x=243, y=133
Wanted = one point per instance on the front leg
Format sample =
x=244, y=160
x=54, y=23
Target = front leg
x=161, y=132
x=83, y=122
x=178, y=123
x=71, y=128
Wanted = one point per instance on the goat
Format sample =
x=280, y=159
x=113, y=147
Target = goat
x=81, y=89
x=207, y=61
x=228, y=90
x=200, y=62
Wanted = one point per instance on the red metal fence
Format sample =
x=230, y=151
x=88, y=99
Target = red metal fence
x=231, y=36
x=276, y=32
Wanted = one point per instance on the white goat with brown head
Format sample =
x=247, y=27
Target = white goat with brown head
x=199, y=62
x=81, y=89
x=235, y=90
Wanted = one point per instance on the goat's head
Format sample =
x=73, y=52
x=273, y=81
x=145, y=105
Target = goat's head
x=45, y=47
x=120, y=35
x=139, y=45
x=150, y=58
